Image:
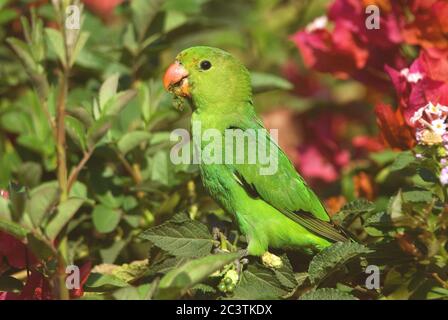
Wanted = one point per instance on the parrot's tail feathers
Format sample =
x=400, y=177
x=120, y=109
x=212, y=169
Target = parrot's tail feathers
x=319, y=227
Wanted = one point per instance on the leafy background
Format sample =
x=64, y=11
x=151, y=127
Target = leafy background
x=86, y=177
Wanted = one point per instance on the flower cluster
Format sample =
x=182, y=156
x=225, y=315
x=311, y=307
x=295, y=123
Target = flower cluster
x=349, y=49
x=430, y=123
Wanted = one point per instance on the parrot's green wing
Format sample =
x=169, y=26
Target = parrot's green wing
x=285, y=190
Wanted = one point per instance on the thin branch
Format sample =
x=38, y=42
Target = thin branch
x=135, y=175
x=75, y=172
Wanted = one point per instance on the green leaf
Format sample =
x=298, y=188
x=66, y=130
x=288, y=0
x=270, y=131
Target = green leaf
x=99, y=130
x=29, y=174
x=64, y=213
x=104, y=282
x=13, y=229
x=41, y=247
x=76, y=131
x=131, y=140
x=265, y=82
x=43, y=200
x=81, y=41
x=332, y=258
x=187, y=239
x=417, y=196
x=402, y=161
x=358, y=206
x=110, y=254
x=258, y=282
x=105, y=219
x=142, y=292
x=119, y=101
x=285, y=274
x=21, y=50
x=143, y=12
x=108, y=90
x=327, y=294
x=57, y=43
x=177, y=281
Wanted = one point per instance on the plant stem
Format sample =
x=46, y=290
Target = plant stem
x=60, y=136
x=75, y=172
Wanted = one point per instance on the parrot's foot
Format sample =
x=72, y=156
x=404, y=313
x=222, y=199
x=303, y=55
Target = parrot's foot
x=271, y=260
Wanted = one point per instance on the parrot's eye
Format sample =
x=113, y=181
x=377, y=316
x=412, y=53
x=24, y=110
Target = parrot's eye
x=205, y=65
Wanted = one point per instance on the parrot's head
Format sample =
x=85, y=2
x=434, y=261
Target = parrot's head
x=209, y=78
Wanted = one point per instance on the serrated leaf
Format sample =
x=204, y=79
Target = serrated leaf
x=64, y=213
x=332, y=258
x=258, y=282
x=187, y=239
x=327, y=294
x=132, y=139
x=285, y=274
x=358, y=206
x=177, y=281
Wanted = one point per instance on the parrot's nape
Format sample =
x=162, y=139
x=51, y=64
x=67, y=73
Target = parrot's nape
x=272, y=211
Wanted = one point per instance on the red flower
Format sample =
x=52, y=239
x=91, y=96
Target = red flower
x=393, y=130
x=426, y=80
x=322, y=157
x=350, y=49
x=4, y=194
x=104, y=8
x=13, y=250
x=429, y=26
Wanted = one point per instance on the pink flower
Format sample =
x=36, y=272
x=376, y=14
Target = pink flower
x=425, y=81
x=4, y=194
x=350, y=49
x=321, y=157
x=104, y=8
x=444, y=176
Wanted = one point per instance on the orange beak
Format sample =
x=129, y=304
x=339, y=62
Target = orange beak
x=175, y=80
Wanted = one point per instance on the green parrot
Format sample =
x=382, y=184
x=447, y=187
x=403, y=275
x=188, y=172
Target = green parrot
x=276, y=210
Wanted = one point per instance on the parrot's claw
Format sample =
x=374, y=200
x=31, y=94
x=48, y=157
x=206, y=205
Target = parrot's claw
x=271, y=260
